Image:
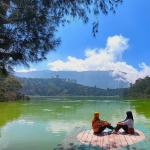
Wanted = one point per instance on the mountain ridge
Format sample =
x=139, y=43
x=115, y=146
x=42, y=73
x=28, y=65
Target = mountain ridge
x=101, y=79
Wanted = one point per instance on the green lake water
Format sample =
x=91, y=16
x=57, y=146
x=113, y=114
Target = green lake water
x=43, y=122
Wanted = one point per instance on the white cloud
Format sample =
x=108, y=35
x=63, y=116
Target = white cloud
x=25, y=70
x=104, y=59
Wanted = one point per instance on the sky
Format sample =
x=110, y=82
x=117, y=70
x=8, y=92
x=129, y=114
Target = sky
x=121, y=45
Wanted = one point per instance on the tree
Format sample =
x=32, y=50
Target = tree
x=12, y=84
x=10, y=89
x=57, y=86
x=75, y=81
x=57, y=76
x=140, y=89
x=28, y=27
x=28, y=34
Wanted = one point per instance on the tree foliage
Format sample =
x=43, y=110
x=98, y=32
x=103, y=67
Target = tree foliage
x=28, y=27
x=9, y=89
x=140, y=89
x=59, y=87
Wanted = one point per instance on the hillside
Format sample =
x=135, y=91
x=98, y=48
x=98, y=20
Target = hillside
x=10, y=89
x=101, y=79
x=61, y=87
x=140, y=89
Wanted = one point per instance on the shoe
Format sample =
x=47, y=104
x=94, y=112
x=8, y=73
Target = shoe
x=114, y=132
x=95, y=133
x=109, y=132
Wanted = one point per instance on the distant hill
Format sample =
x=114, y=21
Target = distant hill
x=101, y=79
x=140, y=89
x=61, y=87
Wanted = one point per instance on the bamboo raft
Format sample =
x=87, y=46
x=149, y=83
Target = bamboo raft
x=82, y=138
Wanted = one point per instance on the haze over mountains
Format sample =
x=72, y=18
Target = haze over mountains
x=102, y=79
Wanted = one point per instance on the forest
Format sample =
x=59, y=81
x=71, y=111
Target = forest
x=10, y=89
x=140, y=89
x=102, y=79
x=15, y=88
x=62, y=87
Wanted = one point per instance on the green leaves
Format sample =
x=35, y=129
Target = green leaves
x=28, y=27
x=141, y=89
x=9, y=88
x=57, y=86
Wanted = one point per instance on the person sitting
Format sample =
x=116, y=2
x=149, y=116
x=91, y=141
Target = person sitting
x=127, y=125
x=100, y=125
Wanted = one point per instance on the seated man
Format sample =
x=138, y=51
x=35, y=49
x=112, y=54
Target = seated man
x=100, y=125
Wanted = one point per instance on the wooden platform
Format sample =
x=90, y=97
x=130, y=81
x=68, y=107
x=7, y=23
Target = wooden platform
x=82, y=138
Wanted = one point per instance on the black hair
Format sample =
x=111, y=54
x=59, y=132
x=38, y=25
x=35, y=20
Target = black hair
x=129, y=115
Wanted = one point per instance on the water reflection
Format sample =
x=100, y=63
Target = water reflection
x=43, y=122
x=142, y=107
x=9, y=112
x=69, y=109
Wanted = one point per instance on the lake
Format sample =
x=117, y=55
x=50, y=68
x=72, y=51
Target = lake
x=43, y=122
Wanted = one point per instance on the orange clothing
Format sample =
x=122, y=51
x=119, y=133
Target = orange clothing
x=97, y=123
x=130, y=130
x=96, y=115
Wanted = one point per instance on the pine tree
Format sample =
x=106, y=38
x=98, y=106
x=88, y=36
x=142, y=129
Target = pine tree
x=28, y=27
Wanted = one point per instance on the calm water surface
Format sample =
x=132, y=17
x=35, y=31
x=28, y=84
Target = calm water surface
x=43, y=122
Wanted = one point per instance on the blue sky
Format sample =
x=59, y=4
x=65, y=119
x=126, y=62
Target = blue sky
x=122, y=44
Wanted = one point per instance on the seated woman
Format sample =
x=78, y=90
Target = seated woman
x=127, y=125
x=100, y=125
